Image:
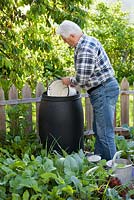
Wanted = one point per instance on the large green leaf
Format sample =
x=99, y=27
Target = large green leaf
x=46, y=177
x=22, y=182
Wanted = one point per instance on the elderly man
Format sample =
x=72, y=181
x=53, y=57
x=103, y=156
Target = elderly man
x=95, y=74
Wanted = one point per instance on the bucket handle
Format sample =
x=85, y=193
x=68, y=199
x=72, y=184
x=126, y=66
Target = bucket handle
x=116, y=155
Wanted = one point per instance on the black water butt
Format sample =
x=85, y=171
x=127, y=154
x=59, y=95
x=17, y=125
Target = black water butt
x=61, y=123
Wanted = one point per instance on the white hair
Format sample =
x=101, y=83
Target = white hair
x=68, y=27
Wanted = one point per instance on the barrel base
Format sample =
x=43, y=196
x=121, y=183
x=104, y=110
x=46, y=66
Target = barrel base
x=55, y=144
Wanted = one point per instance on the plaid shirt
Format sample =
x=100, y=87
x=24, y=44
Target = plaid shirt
x=91, y=63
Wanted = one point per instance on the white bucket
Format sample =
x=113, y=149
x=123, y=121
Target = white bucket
x=57, y=88
x=123, y=170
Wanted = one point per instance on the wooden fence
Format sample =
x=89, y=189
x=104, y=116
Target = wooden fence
x=126, y=96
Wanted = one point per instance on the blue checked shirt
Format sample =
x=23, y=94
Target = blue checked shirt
x=91, y=63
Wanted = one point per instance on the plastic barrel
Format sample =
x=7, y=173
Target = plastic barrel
x=61, y=123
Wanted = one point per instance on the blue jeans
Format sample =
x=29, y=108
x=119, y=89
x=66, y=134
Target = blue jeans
x=103, y=100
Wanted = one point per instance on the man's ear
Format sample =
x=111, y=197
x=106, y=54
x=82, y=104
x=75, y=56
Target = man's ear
x=72, y=35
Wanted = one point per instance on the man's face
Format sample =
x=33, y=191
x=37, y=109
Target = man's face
x=70, y=40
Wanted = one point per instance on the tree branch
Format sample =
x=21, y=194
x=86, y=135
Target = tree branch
x=5, y=53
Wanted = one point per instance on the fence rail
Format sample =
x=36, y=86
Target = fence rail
x=126, y=100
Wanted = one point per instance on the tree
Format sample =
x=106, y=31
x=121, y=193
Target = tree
x=29, y=48
x=31, y=51
x=110, y=25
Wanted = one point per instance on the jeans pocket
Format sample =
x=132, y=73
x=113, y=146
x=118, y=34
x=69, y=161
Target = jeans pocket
x=112, y=95
x=97, y=97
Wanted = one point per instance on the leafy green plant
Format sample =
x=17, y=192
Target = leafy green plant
x=28, y=171
x=17, y=122
x=130, y=129
x=37, y=175
x=89, y=143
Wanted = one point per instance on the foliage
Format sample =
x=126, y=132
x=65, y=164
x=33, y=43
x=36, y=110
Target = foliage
x=130, y=130
x=122, y=144
x=29, y=172
x=110, y=25
x=37, y=175
x=17, y=119
x=30, y=50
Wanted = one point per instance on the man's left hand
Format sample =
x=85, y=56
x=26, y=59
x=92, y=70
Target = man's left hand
x=66, y=81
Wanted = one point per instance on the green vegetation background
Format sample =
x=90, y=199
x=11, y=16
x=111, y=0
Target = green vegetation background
x=30, y=50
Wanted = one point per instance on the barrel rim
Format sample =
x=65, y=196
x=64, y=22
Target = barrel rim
x=45, y=97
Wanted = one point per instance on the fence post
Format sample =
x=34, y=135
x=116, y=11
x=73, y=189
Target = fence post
x=13, y=115
x=124, y=104
x=26, y=93
x=88, y=114
x=39, y=91
x=2, y=119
